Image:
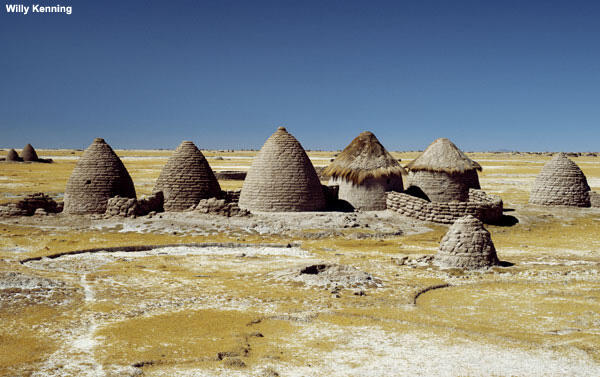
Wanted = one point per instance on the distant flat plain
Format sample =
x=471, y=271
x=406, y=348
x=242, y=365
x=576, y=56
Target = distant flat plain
x=221, y=313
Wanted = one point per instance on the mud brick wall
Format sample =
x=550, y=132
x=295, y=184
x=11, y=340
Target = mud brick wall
x=487, y=208
x=98, y=176
x=231, y=175
x=282, y=178
x=220, y=207
x=186, y=178
x=560, y=183
x=231, y=196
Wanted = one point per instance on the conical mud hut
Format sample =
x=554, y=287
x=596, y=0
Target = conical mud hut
x=364, y=172
x=468, y=245
x=443, y=173
x=29, y=154
x=12, y=155
x=282, y=178
x=98, y=176
x=560, y=183
x=186, y=179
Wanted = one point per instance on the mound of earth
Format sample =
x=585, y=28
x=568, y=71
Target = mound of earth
x=328, y=275
x=17, y=280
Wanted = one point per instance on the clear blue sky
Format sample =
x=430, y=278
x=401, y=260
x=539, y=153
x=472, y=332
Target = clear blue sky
x=488, y=75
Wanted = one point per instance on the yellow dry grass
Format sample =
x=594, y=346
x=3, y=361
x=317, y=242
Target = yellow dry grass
x=538, y=305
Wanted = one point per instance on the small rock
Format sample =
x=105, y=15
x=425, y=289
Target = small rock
x=235, y=363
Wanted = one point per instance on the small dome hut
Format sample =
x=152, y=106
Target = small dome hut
x=98, y=176
x=560, y=183
x=29, y=154
x=467, y=245
x=443, y=173
x=282, y=178
x=186, y=179
x=364, y=171
x=12, y=155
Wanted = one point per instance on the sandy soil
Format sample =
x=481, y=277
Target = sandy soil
x=341, y=294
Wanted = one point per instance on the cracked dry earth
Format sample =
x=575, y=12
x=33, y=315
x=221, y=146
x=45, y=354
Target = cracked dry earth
x=323, y=294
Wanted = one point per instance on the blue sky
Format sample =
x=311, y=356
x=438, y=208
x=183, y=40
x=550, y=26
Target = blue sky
x=489, y=75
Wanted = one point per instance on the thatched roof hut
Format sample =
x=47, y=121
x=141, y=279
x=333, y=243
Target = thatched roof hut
x=443, y=173
x=186, y=179
x=98, y=176
x=29, y=154
x=468, y=245
x=282, y=178
x=364, y=171
x=560, y=183
x=12, y=155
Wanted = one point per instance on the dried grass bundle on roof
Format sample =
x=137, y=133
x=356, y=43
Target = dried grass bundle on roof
x=364, y=172
x=362, y=159
x=443, y=156
x=444, y=173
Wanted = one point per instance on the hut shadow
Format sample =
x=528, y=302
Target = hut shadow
x=505, y=220
x=340, y=205
x=416, y=192
x=504, y=263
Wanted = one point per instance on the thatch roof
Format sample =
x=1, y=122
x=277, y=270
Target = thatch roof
x=364, y=158
x=443, y=156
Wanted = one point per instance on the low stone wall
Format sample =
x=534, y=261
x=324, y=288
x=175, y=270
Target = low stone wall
x=120, y=206
x=38, y=203
x=231, y=196
x=487, y=208
x=331, y=194
x=595, y=199
x=231, y=175
x=130, y=207
x=220, y=207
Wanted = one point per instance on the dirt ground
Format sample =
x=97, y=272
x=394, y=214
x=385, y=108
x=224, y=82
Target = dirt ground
x=323, y=294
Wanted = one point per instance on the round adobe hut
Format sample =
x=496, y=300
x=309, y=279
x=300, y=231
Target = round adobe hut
x=12, y=155
x=443, y=173
x=468, y=245
x=282, y=178
x=98, y=176
x=560, y=183
x=364, y=172
x=186, y=178
x=29, y=154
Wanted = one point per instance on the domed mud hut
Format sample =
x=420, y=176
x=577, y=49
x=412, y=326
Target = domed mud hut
x=282, y=178
x=560, y=183
x=12, y=155
x=186, y=179
x=29, y=154
x=364, y=171
x=467, y=245
x=98, y=176
x=443, y=173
